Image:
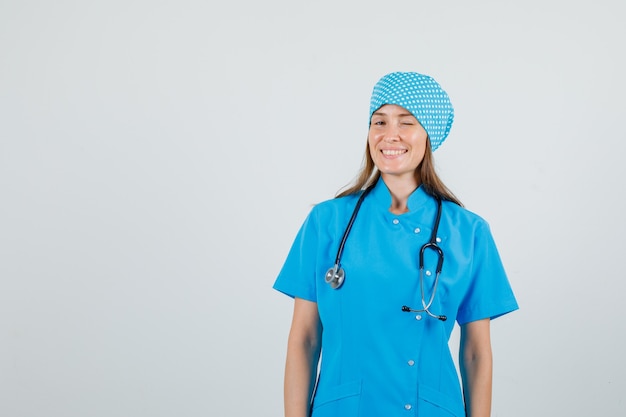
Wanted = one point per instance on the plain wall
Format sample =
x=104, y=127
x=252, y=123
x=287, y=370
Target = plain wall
x=158, y=157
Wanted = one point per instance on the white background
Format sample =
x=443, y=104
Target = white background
x=158, y=157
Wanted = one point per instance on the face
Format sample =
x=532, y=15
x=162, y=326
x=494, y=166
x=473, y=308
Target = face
x=397, y=142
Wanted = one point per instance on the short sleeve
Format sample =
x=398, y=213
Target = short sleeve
x=297, y=276
x=489, y=294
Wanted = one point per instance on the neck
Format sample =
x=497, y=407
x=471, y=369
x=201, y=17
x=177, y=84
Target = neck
x=400, y=189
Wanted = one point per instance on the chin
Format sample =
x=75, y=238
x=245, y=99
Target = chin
x=396, y=173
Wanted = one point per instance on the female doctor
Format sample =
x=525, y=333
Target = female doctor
x=380, y=274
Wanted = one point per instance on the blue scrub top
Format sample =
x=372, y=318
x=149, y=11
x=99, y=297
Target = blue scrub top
x=376, y=359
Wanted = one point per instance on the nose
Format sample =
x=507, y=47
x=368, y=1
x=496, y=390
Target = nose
x=392, y=134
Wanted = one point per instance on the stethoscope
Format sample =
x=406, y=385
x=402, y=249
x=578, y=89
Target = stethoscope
x=335, y=276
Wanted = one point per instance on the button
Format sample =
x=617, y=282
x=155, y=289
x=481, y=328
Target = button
x=396, y=221
x=418, y=317
x=428, y=273
x=417, y=230
x=407, y=406
x=438, y=240
x=411, y=362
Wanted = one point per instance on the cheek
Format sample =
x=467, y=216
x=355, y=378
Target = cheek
x=421, y=141
x=371, y=144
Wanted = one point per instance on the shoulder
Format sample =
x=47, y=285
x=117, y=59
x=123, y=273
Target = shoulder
x=328, y=214
x=464, y=217
x=334, y=206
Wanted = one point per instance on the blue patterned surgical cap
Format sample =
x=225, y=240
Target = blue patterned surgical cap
x=422, y=96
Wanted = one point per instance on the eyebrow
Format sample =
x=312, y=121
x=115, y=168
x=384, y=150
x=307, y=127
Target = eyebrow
x=380, y=113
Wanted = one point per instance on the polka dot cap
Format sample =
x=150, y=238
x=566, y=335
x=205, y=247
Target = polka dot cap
x=422, y=96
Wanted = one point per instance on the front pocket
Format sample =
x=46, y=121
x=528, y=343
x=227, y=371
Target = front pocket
x=434, y=403
x=339, y=400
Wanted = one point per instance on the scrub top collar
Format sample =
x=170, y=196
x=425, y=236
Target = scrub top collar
x=418, y=200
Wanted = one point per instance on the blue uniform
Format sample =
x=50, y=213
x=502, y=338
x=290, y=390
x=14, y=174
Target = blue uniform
x=376, y=359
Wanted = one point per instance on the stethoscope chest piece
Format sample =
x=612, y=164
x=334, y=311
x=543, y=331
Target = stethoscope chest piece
x=335, y=277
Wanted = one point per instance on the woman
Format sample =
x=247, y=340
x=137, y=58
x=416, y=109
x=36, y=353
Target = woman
x=380, y=318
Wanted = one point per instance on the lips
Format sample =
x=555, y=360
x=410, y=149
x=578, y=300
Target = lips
x=393, y=152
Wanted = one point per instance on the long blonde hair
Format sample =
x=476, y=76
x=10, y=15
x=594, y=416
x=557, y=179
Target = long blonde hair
x=369, y=174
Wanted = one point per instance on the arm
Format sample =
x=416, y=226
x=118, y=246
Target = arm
x=303, y=352
x=476, y=367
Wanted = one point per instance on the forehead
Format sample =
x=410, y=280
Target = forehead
x=392, y=110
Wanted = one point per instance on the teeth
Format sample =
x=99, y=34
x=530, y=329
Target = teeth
x=393, y=152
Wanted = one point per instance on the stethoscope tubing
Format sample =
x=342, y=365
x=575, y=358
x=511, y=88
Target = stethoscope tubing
x=335, y=276
x=346, y=233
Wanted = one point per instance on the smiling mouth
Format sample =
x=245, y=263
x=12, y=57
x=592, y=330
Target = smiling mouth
x=393, y=152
